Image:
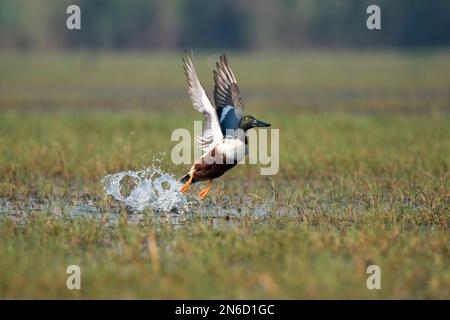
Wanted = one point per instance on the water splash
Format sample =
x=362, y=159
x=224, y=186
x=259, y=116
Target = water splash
x=149, y=188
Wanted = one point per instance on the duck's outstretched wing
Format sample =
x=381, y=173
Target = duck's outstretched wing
x=227, y=98
x=212, y=133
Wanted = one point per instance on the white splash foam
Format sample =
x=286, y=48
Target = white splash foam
x=151, y=187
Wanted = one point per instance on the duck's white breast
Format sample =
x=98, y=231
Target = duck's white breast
x=232, y=149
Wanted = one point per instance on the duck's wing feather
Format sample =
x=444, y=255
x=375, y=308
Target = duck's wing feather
x=212, y=133
x=227, y=98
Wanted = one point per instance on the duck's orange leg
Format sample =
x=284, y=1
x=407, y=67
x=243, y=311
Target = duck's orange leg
x=184, y=188
x=205, y=191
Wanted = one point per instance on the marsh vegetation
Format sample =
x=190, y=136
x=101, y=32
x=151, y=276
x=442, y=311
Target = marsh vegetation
x=364, y=178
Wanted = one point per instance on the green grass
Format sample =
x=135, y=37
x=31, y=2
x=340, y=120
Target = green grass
x=364, y=178
x=275, y=259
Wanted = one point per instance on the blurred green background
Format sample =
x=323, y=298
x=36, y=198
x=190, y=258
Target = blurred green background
x=243, y=24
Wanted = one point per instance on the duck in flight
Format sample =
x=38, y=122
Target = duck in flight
x=223, y=141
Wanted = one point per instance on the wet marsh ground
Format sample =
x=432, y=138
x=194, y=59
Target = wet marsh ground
x=364, y=178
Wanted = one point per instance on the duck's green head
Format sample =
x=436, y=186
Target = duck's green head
x=248, y=122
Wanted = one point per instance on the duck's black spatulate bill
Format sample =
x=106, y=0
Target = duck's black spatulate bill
x=262, y=124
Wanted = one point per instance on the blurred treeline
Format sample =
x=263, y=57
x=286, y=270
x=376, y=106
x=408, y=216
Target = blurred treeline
x=243, y=24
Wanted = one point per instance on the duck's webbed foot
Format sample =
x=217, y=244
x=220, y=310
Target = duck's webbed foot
x=202, y=194
x=184, y=188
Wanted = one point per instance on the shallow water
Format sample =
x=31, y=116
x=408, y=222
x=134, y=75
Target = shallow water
x=152, y=195
x=227, y=211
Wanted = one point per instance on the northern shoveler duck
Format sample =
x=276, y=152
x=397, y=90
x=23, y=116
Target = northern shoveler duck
x=223, y=140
